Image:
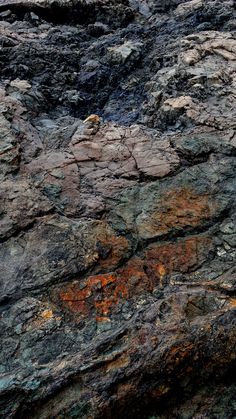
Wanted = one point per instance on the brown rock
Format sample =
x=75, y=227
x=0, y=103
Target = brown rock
x=118, y=234
x=176, y=210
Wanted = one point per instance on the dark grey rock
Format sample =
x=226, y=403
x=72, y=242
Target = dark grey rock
x=117, y=209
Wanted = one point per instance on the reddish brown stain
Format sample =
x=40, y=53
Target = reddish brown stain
x=102, y=319
x=120, y=362
x=101, y=293
x=232, y=302
x=78, y=299
x=103, y=307
x=179, y=209
x=134, y=275
x=184, y=207
x=178, y=354
x=180, y=256
x=116, y=248
x=119, y=247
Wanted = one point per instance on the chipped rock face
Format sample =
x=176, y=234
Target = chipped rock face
x=125, y=51
x=117, y=156
x=117, y=215
x=185, y=9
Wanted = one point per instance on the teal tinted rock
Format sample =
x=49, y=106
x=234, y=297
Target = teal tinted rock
x=52, y=190
x=117, y=238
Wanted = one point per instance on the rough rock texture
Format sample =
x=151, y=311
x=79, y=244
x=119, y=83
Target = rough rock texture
x=118, y=231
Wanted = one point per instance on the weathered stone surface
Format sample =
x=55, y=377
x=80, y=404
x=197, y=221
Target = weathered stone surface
x=116, y=156
x=197, y=199
x=55, y=249
x=56, y=174
x=189, y=7
x=117, y=209
x=21, y=204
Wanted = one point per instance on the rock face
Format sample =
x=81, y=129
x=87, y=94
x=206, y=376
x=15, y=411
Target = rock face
x=118, y=230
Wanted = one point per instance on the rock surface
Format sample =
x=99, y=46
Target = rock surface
x=118, y=209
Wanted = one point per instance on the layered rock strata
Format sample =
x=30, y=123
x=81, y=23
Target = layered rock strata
x=118, y=231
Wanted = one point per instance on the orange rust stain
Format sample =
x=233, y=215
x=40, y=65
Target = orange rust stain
x=101, y=293
x=134, y=276
x=120, y=362
x=74, y=295
x=78, y=306
x=161, y=270
x=121, y=291
x=185, y=207
x=102, y=319
x=133, y=269
x=178, y=209
x=232, y=302
x=77, y=300
x=46, y=314
x=179, y=257
x=102, y=280
x=103, y=307
x=40, y=319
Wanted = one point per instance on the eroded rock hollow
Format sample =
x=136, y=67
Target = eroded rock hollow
x=118, y=209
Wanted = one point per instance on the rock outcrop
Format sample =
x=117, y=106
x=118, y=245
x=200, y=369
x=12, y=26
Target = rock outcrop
x=118, y=230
